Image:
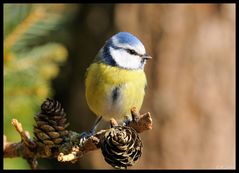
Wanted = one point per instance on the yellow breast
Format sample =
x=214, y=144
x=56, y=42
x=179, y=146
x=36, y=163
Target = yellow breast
x=113, y=91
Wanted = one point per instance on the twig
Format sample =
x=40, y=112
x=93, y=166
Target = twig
x=77, y=152
x=24, y=149
x=71, y=150
x=73, y=156
x=24, y=134
x=140, y=122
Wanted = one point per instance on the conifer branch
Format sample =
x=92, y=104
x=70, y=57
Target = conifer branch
x=73, y=148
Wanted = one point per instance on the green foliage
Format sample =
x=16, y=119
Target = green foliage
x=13, y=15
x=15, y=163
x=31, y=60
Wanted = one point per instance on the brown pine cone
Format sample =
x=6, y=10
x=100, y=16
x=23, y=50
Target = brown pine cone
x=52, y=107
x=51, y=124
x=121, y=147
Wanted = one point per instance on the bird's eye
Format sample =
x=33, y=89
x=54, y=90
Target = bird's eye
x=131, y=51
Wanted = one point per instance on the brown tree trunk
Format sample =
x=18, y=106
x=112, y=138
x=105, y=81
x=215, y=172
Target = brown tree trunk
x=191, y=83
x=191, y=80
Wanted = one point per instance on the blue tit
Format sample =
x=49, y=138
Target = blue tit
x=115, y=81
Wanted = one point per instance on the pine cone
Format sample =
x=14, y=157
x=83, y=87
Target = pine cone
x=51, y=124
x=122, y=147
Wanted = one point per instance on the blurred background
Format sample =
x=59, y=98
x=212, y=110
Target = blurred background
x=191, y=78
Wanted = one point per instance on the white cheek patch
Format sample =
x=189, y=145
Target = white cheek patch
x=126, y=60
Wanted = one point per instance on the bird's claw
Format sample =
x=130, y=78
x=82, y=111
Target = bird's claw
x=84, y=136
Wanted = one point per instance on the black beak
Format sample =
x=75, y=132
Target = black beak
x=147, y=57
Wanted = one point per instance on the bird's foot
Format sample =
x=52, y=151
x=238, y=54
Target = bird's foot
x=85, y=135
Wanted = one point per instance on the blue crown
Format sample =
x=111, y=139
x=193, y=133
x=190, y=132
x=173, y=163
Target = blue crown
x=127, y=38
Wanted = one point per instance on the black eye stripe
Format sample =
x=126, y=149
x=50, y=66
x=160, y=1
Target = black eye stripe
x=132, y=52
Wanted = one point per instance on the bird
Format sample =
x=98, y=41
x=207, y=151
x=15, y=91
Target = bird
x=115, y=81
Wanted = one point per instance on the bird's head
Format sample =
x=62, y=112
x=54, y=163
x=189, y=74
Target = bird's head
x=124, y=50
